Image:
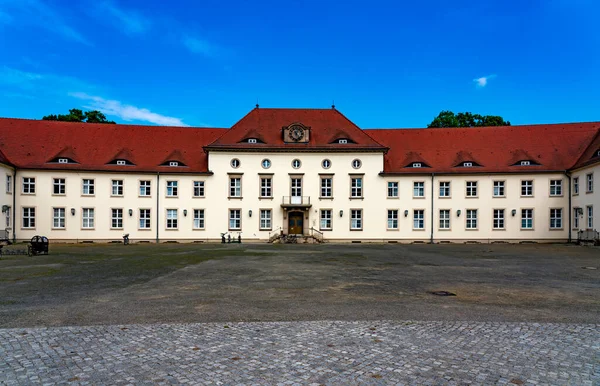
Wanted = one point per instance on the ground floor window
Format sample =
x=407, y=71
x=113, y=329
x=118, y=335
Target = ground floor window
x=235, y=219
x=526, y=218
x=575, y=219
x=356, y=219
x=172, y=219
x=28, y=217
x=392, y=222
x=265, y=219
x=418, y=219
x=556, y=219
x=325, y=219
x=498, y=219
x=144, y=218
x=116, y=218
x=198, y=218
x=471, y=219
x=58, y=218
x=444, y=218
x=590, y=217
x=87, y=218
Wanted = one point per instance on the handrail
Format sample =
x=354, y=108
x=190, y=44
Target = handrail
x=320, y=235
x=289, y=200
x=274, y=234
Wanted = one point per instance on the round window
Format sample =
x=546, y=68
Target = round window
x=296, y=163
x=235, y=163
x=326, y=164
x=356, y=164
x=266, y=163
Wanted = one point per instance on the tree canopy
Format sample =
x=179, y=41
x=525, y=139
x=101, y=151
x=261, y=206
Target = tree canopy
x=449, y=119
x=76, y=115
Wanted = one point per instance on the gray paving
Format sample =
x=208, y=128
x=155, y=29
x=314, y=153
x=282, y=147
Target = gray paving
x=305, y=353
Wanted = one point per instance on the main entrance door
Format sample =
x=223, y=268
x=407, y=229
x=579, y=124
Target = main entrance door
x=295, y=223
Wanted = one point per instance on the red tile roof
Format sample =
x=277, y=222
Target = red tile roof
x=590, y=155
x=325, y=126
x=555, y=147
x=31, y=144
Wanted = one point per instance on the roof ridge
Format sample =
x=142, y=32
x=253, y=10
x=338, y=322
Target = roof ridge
x=486, y=127
x=363, y=131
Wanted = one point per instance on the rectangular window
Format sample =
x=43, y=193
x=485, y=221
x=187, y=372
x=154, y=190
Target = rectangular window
x=265, y=219
x=418, y=219
x=58, y=218
x=444, y=218
x=498, y=219
x=235, y=219
x=419, y=189
x=8, y=217
x=172, y=219
x=198, y=218
x=556, y=187
x=356, y=187
x=145, y=188
x=499, y=189
x=326, y=187
x=116, y=218
x=471, y=188
x=575, y=185
x=29, y=218
x=172, y=188
x=198, y=188
x=392, y=219
x=590, y=217
x=575, y=218
x=235, y=187
x=326, y=219
x=471, y=219
x=8, y=184
x=527, y=188
x=589, y=183
x=145, y=219
x=59, y=186
x=356, y=219
x=87, y=218
x=526, y=218
x=556, y=219
x=117, y=188
x=392, y=189
x=28, y=185
x=445, y=189
x=296, y=190
x=88, y=188
x=266, y=187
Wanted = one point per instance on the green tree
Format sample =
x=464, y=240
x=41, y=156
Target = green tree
x=467, y=119
x=76, y=115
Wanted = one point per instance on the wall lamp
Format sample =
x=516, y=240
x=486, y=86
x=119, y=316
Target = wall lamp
x=341, y=213
x=72, y=211
x=458, y=212
x=514, y=212
x=185, y=212
x=406, y=213
x=130, y=212
x=250, y=213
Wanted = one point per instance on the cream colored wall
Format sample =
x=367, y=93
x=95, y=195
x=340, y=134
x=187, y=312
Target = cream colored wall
x=584, y=199
x=485, y=203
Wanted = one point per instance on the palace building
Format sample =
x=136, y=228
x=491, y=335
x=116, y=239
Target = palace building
x=305, y=172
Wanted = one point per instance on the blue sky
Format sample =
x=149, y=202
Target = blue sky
x=385, y=63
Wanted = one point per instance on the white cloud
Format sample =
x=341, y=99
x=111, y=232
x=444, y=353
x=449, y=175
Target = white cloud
x=483, y=81
x=130, y=21
x=126, y=112
x=199, y=46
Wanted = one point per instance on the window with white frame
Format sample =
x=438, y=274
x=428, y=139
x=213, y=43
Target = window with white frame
x=145, y=188
x=527, y=188
x=265, y=219
x=499, y=189
x=326, y=187
x=575, y=185
x=526, y=218
x=392, y=219
x=590, y=216
x=556, y=187
x=576, y=218
x=59, y=186
x=8, y=184
x=121, y=162
x=198, y=218
x=419, y=189
x=589, y=183
x=471, y=188
x=173, y=163
x=8, y=216
x=266, y=187
x=145, y=219
x=172, y=188
x=116, y=218
x=235, y=219
x=117, y=187
x=198, y=189
x=356, y=190
x=445, y=189
x=556, y=218
x=172, y=219
x=326, y=219
x=87, y=218
x=471, y=218
x=88, y=187
x=28, y=218
x=498, y=221
x=392, y=189
x=58, y=218
x=28, y=185
x=235, y=187
x=444, y=218
x=418, y=219
x=356, y=219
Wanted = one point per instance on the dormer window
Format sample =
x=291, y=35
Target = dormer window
x=417, y=165
x=467, y=164
x=252, y=140
x=525, y=162
x=63, y=160
x=597, y=153
x=342, y=141
x=121, y=162
x=173, y=163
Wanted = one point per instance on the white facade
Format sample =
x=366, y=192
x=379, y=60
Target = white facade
x=586, y=198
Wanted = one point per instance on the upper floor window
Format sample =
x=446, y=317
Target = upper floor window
x=575, y=185
x=145, y=188
x=527, y=188
x=198, y=189
x=392, y=189
x=235, y=163
x=326, y=164
x=235, y=187
x=88, y=187
x=556, y=187
x=8, y=184
x=445, y=189
x=590, y=183
x=59, y=186
x=266, y=187
x=498, y=189
x=419, y=189
x=356, y=189
x=356, y=164
x=252, y=140
x=28, y=185
x=266, y=163
x=296, y=164
x=471, y=188
x=117, y=188
x=326, y=187
x=172, y=187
